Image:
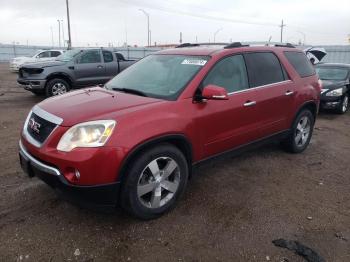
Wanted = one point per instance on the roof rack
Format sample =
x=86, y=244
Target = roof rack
x=285, y=45
x=200, y=44
x=186, y=45
x=234, y=45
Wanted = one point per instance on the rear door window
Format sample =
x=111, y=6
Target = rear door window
x=300, y=63
x=229, y=73
x=90, y=56
x=55, y=53
x=107, y=56
x=264, y=68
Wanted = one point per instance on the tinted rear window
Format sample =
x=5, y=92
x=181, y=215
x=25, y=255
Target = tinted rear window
x=55, y=53
x=263, y=69
x=301, y=63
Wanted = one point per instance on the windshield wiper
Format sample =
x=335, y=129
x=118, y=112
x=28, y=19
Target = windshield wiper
x=129, y=90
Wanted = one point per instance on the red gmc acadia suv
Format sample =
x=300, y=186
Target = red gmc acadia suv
x=135, y=141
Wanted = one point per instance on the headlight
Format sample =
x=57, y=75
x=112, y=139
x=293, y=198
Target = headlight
x=335, y=92
x=88, y=134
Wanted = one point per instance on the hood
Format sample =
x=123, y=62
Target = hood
x=22, y=59
x=333, y=84
x=44, y=64
x=93, y=104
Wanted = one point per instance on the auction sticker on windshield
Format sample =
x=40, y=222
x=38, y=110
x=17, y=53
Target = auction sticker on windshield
x=189, y=61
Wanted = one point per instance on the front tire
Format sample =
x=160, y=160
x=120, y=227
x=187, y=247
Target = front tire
x=344, y=105
x=301, y=132
x=154, y=182
x=56, y=86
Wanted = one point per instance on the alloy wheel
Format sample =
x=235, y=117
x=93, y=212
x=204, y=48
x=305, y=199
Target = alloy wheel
x=59, y=89
x=345, y=103
x=302, y=131
x=158, y=182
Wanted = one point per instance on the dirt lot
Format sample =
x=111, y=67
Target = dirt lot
x=232, y=210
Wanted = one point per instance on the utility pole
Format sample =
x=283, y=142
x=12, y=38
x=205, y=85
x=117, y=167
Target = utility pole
x=148, y=31
x=282, y=26
x=63, y=33
x=68, y=21
x=180, y=37
x=59, y=33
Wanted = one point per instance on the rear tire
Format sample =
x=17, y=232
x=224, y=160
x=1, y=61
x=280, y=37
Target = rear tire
x=344, y=105
x=154, y=182
x=301, y=132
x=56, y=86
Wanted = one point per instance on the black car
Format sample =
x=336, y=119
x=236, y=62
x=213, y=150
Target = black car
x=335, y=86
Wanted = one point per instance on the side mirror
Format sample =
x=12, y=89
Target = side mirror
x=213, y=92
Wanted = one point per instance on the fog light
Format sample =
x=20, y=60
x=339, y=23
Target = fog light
x=77, y=174
x=332, y=104
x=72, y=175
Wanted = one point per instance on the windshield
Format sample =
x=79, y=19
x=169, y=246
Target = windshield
x=68, y=55
x=328, y=73
x=160, y=76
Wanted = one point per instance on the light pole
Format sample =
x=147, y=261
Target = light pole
x=63, y=33
x=52, y=37
x=147, y=15
x=59, y=33
x=68, y=22
x=216, y=32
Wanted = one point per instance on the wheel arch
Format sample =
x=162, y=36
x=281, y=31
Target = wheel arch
x=311, y=105
x=180, y=141
x=60, y=75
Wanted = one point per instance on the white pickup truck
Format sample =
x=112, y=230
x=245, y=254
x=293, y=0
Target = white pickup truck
x=40, y=56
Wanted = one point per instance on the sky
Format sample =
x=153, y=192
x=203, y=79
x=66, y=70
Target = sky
x=114, y=22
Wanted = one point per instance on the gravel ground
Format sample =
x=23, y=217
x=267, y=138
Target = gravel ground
x=233, y=208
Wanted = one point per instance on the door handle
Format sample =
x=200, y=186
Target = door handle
x=99, y=66
x=71, y=67
x=289, y=93
x=250, y=103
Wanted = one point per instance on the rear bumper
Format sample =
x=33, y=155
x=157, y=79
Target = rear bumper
x=96, y=196
x=32, y=84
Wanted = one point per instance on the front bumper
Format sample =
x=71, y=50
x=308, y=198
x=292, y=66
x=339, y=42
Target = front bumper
x=14, y=67
x=32, y=84
x=96, y=196
x=330, y=102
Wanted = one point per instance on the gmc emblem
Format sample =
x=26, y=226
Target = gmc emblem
x=35, y=126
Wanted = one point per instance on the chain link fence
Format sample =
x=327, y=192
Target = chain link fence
x=335, y=53
x=7, y=51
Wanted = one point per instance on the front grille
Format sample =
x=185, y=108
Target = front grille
x=39, y=128
x=25, y=72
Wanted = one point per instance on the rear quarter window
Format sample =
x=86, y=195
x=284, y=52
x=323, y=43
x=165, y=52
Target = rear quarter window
x=300, y=63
